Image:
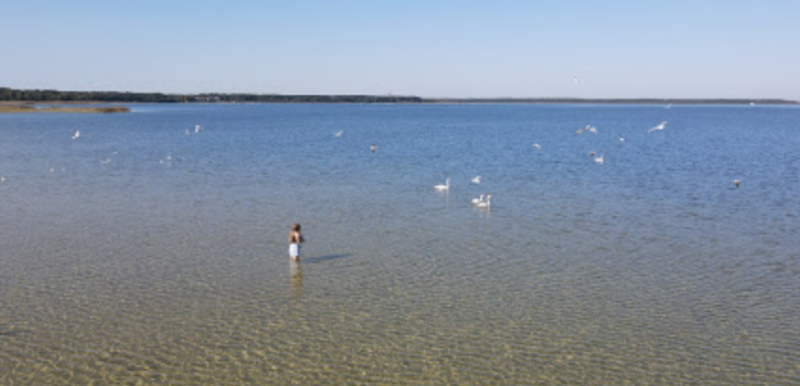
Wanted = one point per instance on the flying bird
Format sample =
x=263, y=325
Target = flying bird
x=660, y=126
x=588, y=128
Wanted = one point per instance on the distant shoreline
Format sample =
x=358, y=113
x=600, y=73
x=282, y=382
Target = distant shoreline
x=27, y=97
x=28, y=109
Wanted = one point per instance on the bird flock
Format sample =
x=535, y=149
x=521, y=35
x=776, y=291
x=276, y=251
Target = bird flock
x=483, y=201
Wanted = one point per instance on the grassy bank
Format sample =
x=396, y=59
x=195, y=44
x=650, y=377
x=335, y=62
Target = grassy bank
x=62, y=109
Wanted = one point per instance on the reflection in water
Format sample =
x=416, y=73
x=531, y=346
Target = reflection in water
x=296, y=274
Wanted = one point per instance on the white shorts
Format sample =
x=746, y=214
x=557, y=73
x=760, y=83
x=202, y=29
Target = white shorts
x=294, y=250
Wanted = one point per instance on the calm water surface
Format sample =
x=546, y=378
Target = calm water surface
x=141, y=255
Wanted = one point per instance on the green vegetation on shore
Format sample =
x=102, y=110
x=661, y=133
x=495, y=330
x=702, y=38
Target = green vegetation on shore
x=62, y=109
x=49, y=96
x=53, y=96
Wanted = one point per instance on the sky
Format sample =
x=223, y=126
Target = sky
x=461, y=49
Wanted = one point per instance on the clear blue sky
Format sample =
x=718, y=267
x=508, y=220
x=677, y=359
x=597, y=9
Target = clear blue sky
x=617, y=49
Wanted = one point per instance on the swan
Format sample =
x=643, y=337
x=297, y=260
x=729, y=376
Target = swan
x=445, y=187
x=197, y=128
x=476, y=180
x=537, y=146
x=599, y=160
x=476, y=201
x=77, y=134
x=487, y=203
x=338, y=133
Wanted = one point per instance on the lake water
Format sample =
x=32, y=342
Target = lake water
x=139, y=254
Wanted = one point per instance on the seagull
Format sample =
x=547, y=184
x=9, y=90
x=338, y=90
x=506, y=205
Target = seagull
x=537, y=146
x=599, y=160
x=487, y=203
x=445, y=187
x=737, y=183
x=589, y=128
x=77, y=134
x=660, y=126
x=476, y=201
x=338, y=133
x=197, y=128
x=476, y=180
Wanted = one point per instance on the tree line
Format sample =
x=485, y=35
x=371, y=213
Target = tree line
x=8, y=94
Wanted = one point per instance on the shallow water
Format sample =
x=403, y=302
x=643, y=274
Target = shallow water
x=138, y=254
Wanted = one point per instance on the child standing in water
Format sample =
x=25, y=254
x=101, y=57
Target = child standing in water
x=295, y=238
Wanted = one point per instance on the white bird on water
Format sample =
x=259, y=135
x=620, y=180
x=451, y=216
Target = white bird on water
x=599, y=160
x=2, y=179
x=537, y=146
x=443, y=188
x=197, y=128
x=77, y=134
x=338, y=133
x=660, y=126
x=487, y=203
x=476, y=180
x=737, y=183
x=588, y=128
x=476, y=201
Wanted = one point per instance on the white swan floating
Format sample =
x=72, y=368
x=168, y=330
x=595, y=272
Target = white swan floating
x=476, y=180
x=77, y=134
x=487, y=203
x=476, y=201
x=443, y=188
x=599, y=160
